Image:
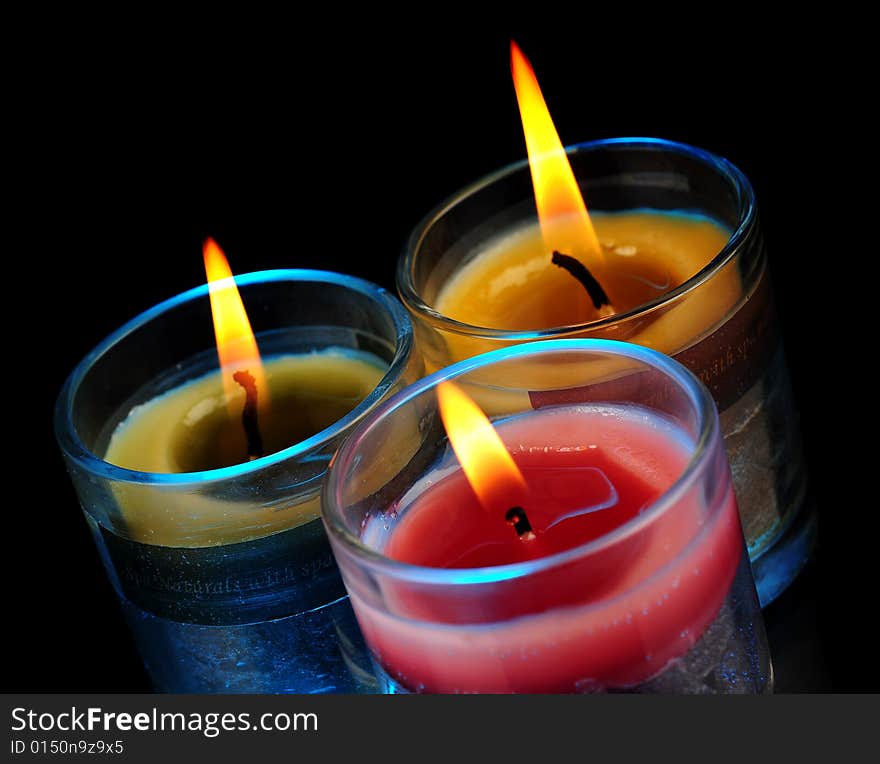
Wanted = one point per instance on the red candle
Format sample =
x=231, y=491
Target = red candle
x=607, y=588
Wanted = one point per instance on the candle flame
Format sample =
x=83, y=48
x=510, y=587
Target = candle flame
x=565, y=222
x=236, y=345
x=485, y=461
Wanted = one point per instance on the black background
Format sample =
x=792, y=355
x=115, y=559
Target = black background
x=300, y=144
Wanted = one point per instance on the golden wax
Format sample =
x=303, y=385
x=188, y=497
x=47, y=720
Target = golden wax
x=189, y=429
x=510, y=283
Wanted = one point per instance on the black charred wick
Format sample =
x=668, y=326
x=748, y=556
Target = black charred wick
x=577, y=269
x=249, y=414
x=516, y=516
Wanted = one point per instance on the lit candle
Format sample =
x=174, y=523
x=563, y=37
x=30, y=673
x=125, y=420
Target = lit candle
x=669, y=256
x=588, y=542
x=568, y=271
x=587, y=475
x=199, y=426
x=201, y=484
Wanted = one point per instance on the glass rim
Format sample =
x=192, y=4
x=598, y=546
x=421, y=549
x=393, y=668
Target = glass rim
x=410, y=296
x=708, y=435
x=74, y=448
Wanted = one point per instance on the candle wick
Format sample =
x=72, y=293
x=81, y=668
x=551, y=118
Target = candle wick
x=249, y=414
x=516, y=516
x=577, y=269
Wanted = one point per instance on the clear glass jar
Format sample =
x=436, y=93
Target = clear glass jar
x=720, y=322
x=239, y=591
x=663, y=601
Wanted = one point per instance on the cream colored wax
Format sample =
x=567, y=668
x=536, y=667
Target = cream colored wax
x=189, y=429
x=510, y=284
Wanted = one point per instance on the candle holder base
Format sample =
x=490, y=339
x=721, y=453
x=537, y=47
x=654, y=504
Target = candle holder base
x=763, y=444
x=315, y=652
x=265, y=616
x=779, y=565
x=728, y=659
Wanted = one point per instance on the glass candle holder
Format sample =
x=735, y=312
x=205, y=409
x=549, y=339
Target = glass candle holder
x=225, y=575
x=645, y=585
x=719, y=321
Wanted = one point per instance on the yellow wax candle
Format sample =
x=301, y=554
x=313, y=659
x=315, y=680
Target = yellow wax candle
x=511, y=284
x=189, y=429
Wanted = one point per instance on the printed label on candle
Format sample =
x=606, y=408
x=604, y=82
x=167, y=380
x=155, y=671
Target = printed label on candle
x=730, y=360
x=272, y=577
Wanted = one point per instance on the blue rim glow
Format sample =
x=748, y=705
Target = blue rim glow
x=77, y=451
x=744, y=194
x=708, y=433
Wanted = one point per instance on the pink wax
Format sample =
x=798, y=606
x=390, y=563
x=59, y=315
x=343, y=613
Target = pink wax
x=611, y=589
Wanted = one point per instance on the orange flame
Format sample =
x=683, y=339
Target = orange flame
x=557, y=194
x=236, y=345
x=485, y=461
